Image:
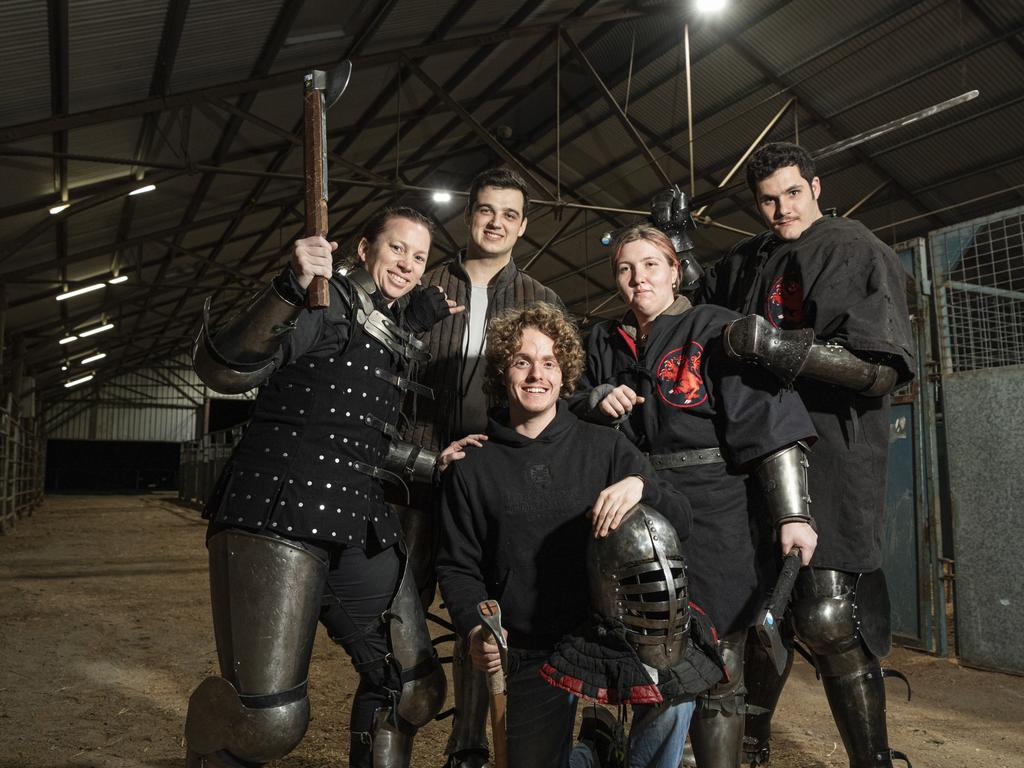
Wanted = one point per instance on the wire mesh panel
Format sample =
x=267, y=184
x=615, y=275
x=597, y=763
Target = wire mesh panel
x=978, y=267
x=978, y=271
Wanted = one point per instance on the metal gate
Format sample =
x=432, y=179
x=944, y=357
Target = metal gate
x=978, y=272
x=909, y=550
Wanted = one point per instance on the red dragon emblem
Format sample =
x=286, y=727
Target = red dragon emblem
x=784, y=306
x=680, y=382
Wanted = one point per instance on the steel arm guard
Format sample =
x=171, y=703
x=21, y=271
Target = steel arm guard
x=240, y=355
x=410, y=462
x=783, y=479
x=789, y=354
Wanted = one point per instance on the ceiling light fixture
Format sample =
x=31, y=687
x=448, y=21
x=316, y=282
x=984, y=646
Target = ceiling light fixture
x=710, y=6
x=93, y=358
x=94, y=331
x=442, y=197
x=117, y=280
x=78, y=291
x=142, y=190
x=63, y=367
x=76, y=382
x=58, y=208
x=68, y=339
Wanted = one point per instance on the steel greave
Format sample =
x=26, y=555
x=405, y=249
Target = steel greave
x=857, y=701
x=469, y=723
x=764, y=687
x=716, y=732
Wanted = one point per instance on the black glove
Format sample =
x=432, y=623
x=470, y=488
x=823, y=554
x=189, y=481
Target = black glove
x=426, y=307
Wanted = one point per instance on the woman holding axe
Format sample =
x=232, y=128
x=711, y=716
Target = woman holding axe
x=299, y=529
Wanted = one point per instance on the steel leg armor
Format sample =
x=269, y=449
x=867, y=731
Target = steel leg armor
x=423, y=681
x=716, y=732
x=265, y=594
x=843, y=618
x=467, y=745
x=421, y=540
x=764, y=687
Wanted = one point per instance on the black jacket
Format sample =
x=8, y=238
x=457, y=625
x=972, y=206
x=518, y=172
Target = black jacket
x=843, y=282
x=511, y=287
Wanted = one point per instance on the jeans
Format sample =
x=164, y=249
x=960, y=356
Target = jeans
x=657, y=740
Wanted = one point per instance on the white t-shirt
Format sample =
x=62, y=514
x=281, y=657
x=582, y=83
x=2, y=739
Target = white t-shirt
x=473, y=417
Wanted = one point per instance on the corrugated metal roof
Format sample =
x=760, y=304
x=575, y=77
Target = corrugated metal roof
x=221, y=41
x=746, y=62
x=25, y=62
x=112, y=49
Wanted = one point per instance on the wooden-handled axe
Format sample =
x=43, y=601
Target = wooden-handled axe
x=490, y=622
x=770, y=618
x=322, y=89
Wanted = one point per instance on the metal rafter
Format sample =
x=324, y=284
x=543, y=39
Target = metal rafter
x=66, y=122
x=278, y=33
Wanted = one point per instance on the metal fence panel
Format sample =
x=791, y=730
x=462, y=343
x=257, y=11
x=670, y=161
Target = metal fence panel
x=985, y=433
x=978, y=273
x=908, y=557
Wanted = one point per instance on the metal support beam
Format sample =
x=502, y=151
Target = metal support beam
x=479, y=129
x=753, y=145
x=617, y=110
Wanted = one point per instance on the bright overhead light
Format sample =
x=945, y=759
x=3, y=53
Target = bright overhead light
x=141, y=190
x=79, y=291
x=710, y=6
x=442, y=197
x=68, y=339
x=63, y=367
x=93, y=358
x=94, y=331
x=118, y=279
x=76, y=382
x=58, y=208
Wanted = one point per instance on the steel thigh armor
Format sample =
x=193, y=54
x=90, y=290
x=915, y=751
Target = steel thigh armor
x=265, y=592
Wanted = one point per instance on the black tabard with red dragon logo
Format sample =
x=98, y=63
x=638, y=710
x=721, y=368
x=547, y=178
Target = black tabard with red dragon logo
x=847, y=285
x=696, y=397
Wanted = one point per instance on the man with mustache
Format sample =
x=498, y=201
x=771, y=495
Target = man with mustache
x=827, y=314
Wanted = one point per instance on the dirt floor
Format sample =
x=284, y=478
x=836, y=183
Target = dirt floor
x=105, y=630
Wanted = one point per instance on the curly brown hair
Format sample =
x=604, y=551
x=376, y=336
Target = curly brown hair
x=505, y=335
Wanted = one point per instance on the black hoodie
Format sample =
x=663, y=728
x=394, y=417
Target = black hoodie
x=514, y=525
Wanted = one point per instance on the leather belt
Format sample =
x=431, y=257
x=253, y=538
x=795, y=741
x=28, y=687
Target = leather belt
x=690, y=458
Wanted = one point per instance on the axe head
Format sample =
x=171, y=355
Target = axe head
x=490, y=620
x=771, y=638
x=337, y=81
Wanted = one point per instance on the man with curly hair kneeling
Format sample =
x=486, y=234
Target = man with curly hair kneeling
x=517, y=513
